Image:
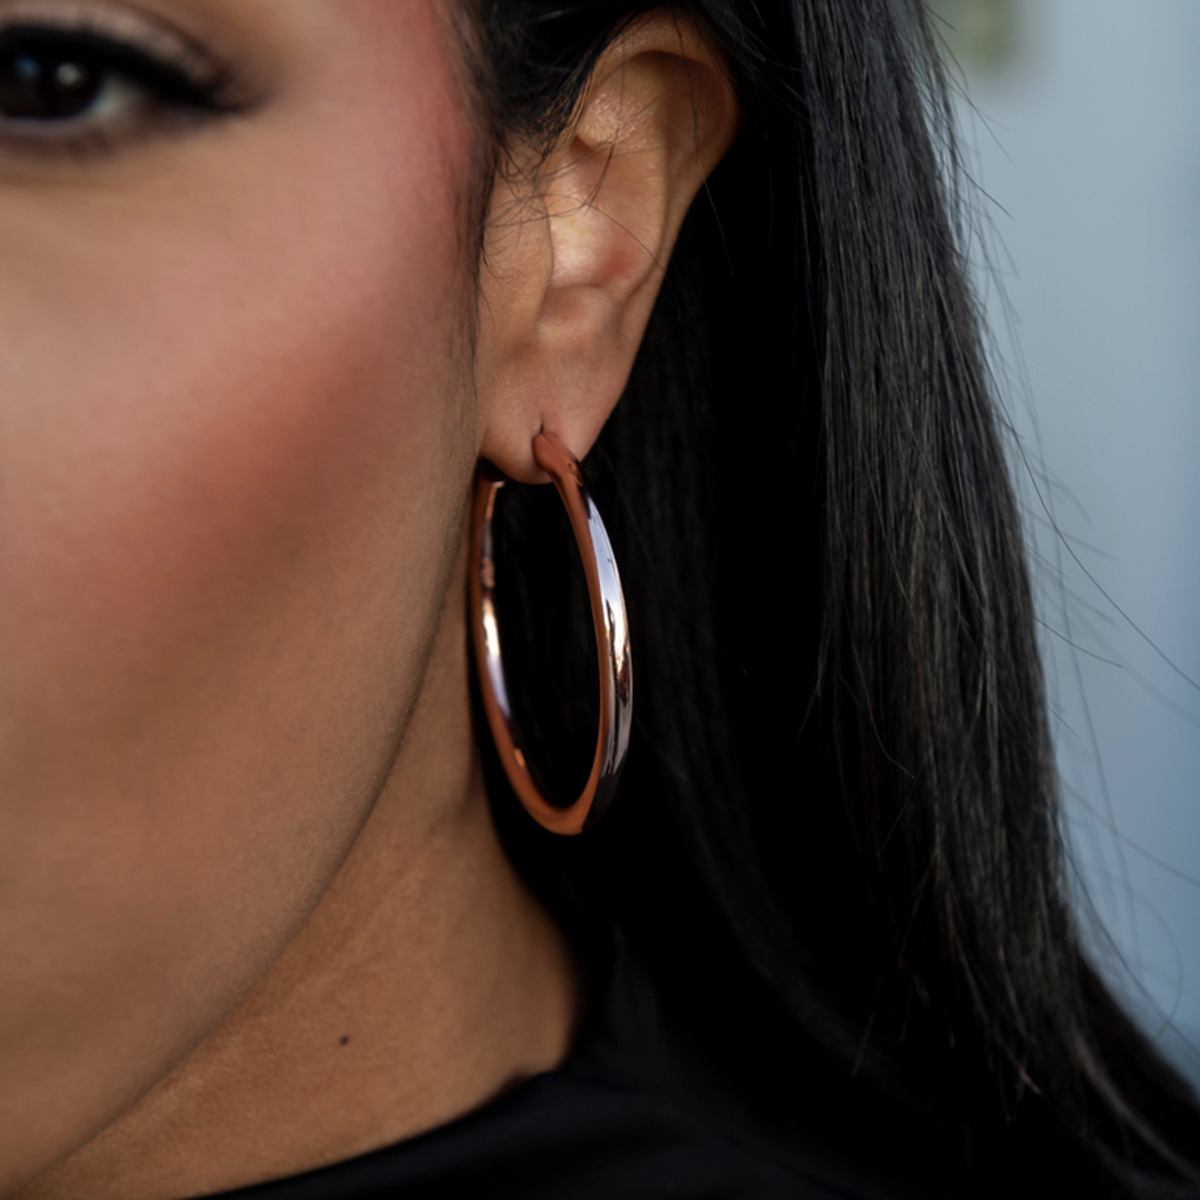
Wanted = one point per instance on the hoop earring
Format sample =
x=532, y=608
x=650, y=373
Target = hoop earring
x=612, y=643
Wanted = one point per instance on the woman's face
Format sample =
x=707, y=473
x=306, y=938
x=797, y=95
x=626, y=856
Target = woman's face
x=240, y=414
x=236, y=437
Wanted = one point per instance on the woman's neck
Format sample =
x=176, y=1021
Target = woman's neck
x=426, y=981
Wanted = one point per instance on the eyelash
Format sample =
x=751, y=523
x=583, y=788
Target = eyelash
x=168, y=90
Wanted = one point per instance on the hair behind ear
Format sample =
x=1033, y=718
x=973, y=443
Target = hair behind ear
x=841, y=766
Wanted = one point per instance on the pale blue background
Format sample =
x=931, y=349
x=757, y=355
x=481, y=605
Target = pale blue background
x=1088, y=142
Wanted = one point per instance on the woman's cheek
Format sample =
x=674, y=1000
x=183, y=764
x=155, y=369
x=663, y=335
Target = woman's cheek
x=232, y=447
x=196, y=402
x=187, y=426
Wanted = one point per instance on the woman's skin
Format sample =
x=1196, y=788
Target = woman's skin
x=254, y=917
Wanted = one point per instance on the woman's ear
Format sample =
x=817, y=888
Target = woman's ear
x=577, y=244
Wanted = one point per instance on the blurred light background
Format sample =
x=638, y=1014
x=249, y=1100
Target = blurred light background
x=1081, y=122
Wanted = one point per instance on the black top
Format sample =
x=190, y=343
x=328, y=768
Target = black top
x=640, y=1110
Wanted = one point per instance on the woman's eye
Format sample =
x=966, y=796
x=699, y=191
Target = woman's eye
x=42, y=84
x=56, y=84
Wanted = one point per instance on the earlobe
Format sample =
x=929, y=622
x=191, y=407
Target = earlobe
x=578, y=247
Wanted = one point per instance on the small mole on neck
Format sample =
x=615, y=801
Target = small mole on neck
x=346, y=1040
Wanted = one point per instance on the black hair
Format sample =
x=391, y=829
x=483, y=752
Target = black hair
x=839, y=822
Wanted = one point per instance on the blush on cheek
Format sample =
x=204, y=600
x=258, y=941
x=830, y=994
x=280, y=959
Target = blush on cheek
x=203, y=406
x=193, y=493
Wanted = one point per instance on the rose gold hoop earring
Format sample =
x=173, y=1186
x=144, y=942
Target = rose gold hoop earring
x=612, y=643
